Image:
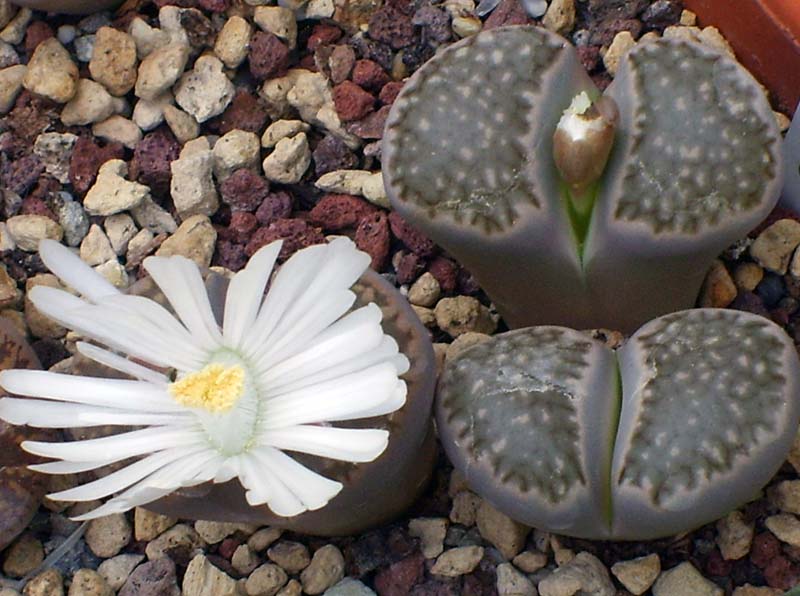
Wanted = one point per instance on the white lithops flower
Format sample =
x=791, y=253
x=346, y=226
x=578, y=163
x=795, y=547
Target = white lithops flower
x=270, y=379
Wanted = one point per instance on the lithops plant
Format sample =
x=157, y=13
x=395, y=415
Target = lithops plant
x=497, y=149
x=683, y=423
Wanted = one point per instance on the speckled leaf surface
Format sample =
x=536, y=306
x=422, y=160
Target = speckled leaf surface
x=708, y=410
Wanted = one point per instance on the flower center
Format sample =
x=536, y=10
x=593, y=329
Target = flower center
x=215, y=388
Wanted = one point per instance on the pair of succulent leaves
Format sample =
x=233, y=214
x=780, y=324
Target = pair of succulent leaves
x=699, y=408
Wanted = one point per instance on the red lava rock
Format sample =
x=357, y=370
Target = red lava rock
x=599, y=10
x=322, y=33
x=199, y=30
x=389, y=92
x=717, y=566
x=508, y=12
x=601, y=80
x=153, y=578
x=750, y=302
x=46, y=186
x=20, y=175
x=765, y=548
x=339, y=60
x=295, y=233
x=245, y=112
x=244, y=190
x=87, y=157
x=336, y=212
x=589, y=57
x=240, y=228
x=227, y=547
x=275, y=206
x=330, y=154
x=36, y=206
x=391, y=26
x=372, y=126
x=309, y=62
x=408, y=267
x=446, y=273
x=213, y=5
x=372, y=236
x=369, y=75
x=780, y=573
x=151, y=159
x=351, y=101
x=269, y=56
x=467, y=284
x=435, y=24
x=230, y=255
x=31, y=116
x=400, y=577
x=415, y=240
x=603, y=33
x=434, y=587
x=35, y=34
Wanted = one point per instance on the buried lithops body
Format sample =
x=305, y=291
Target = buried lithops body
x=686, y=421
x=469, y=158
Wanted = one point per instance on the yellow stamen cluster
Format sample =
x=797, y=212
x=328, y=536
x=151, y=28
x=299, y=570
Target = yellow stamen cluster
x=215, y=388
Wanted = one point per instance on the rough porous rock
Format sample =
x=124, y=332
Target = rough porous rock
x=337, y=212
x=108, y=535
x=269, y=56
x=266, y=580
x=291, y=556
x=91, y=103
x=54, y=150
x=87, y=582
x=719, y=289
x=10, y=86
x=637, y=575
x=332, y=154
x=183, y=125
x=773, y=247
x=279, y=21
x=148, y=525
x=205, y=91
x=281, y=129
x=23, y=556
x=51, y=72
x=87, y=157
x=584, y=573
x=47, y=583
x=194, y=239
x=276, y=205
x=295, y=233
x=462, y=314
x=154, y=578
x=152, y=158
x=511, y=582
x=160, y=70
x=431, y=532
x=192, y=184
x=118, y=129
x=325, y=570
x=112, y=193
x=96, y=247
x=233, y=41
x=244, y=190
x=117, y=570
x=289, y=160
x=458, y=561
x=735, y=535
x=148, y=214
x=352, y=102
x=28, y=230
x=235, y=150
x=148, y=114
x=203, y=579
x=114, y=60
x=685, y=580
x=372, y=236
x=245, y=112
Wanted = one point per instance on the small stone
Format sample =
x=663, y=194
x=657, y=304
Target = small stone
x=687, y=33
x=623, y=41
x=265, y=581
x=719, y=289
x=160, y=70
x=203, y=579
x=786, y=496
x=120, y=229
x=235, y=150
x=148, y=114
x=748, y=590
x=148, y=525
x=458, y=561
x=114, y=273
x=148, y=214
x=205, y=91
x=107, y=536
x=416, y=242
x=87, y=582
x=96, y=247
x=530, y=561
x=331, y=154
x=73, y=219
x=279, y=21
x=560, y=16
x=269, y=56
x=353, y=182
x=347, y=587
x=735, y=536
x=233, y=41
x=463, y=314
x=351, y=101
x=140, y=246
x=499, y=529
x=28, y=230
x=91, y=103
x=51, y=72
x=146, y=38
x=23, y=556
x=637, y=575
x=711, y=37
x=14, y=31
x=10, y=86
x=425, y=315
x=116, y=570
x=183, y=125
x=511, y=582
x=111, y=193
x=335, y=212
x=326, y=569
x=747, y=276
x=262, y=538
x=244, y=560
x=7, y=10
x=786, y=527
x=583, y=574
x=194, y=239
x=373, y=237
x=289, y=161
x=398, y=578
x=152, y=158
x=684, y=580
x=688, y=18
x=281, y=129
x=192, y=183
x=118, y=129
x=178, y=536
x=155, y=578
x=425, y=291
x=10, y=295
x=47, y=583
x=84, y=47
x=782, y=120
x=292, y=556
x=773, y=247
x=341, y=61
x=55, y=152
x=464, y=26
x=465, y=508
x=431, y=532
x=114, y=61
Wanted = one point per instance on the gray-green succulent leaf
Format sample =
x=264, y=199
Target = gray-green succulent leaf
x=683, y=423
x=468, y=157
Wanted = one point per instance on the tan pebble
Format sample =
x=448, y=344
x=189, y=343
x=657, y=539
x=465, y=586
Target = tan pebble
x=114, y=60
x=747, y=276
x=51, y=72
x=637, y=575
x=719, y=289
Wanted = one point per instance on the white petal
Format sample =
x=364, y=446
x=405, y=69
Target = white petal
x=121, y=364
x=263, y=486
x=73, y=271
x=124, y=477
x=342, y=398
x=135, y=496
x=345, y=444
x=67, y=467
x=395, y=400
x=94, y=391
x=115, y=447
x=313, y=490
x=182, y=284
x=51, y=414
x=246, y=292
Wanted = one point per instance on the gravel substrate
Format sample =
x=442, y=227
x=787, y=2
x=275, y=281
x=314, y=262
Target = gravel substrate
x=208, y=128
